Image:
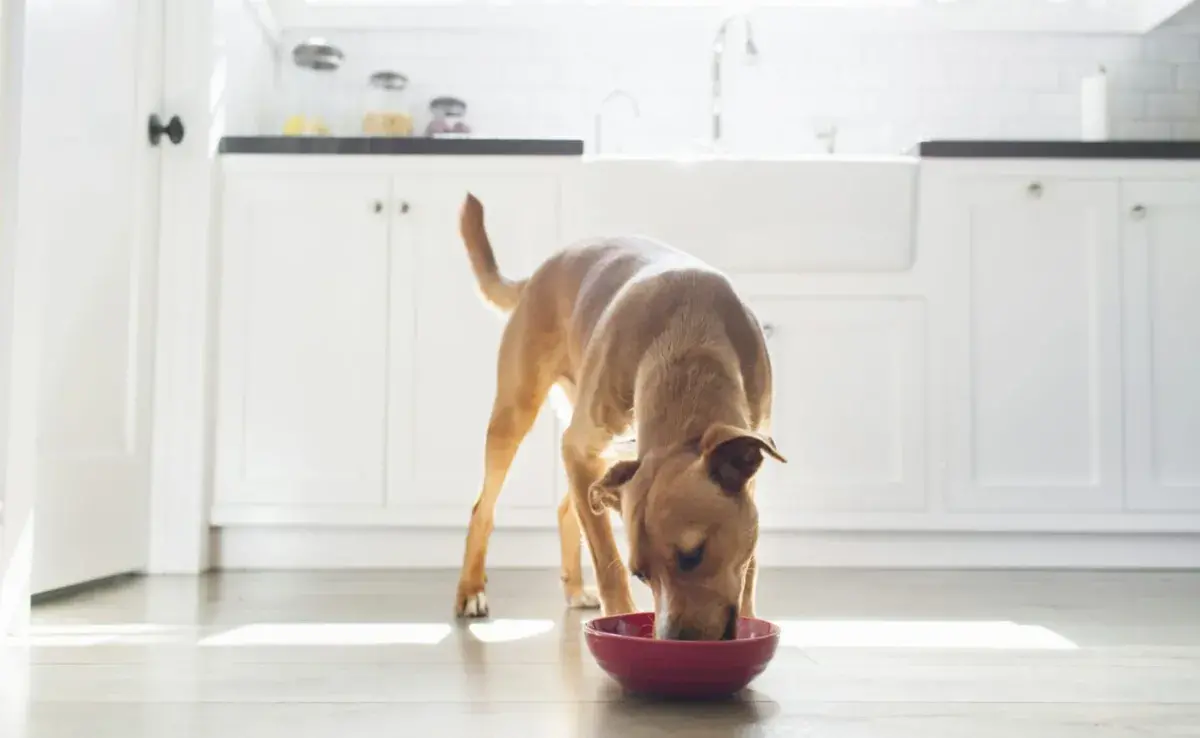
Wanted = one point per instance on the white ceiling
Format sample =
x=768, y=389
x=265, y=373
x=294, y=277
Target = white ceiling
x=1083, y=16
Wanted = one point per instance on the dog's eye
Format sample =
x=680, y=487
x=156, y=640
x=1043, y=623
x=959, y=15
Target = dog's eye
x=640, y=576
x=688, y=560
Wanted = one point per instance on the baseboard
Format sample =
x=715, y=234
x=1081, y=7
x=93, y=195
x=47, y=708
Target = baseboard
x=416, y=548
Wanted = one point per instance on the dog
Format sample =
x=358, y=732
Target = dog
x=638, y=336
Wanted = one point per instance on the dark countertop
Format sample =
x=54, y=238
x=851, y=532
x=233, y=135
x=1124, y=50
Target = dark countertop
x=965, y=149
x=399, y=146
x=943, y=149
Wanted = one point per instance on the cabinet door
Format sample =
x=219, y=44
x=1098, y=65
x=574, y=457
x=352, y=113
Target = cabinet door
x=1161, y=259
x=1033, y=347
x=442, y=395
x=849, y=401
x=304, y=311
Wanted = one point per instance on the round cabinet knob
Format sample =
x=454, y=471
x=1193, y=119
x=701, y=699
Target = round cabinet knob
x=1138, y=212
x=172, y=129
x=768, y=330
x=377, y=206
x=1035, y=190
x=404, y=207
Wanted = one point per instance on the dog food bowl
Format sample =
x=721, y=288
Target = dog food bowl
x=625, y=647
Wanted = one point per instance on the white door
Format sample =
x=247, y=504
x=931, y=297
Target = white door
x=442, y=401
x=92, y=80
x=1161, y=294
x=1033, y=387
x=302, y=389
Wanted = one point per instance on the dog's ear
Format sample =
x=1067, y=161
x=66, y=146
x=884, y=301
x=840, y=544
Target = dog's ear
x=606, y=493
x=733, y=455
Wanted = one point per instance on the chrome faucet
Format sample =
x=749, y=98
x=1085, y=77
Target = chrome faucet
x=599, y=117
x=828, y=138
x=718, y=56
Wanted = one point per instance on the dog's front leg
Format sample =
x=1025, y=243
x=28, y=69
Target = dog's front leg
x=612, y=579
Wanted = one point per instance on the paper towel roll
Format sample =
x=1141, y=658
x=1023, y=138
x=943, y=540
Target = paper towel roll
x=1094, y=97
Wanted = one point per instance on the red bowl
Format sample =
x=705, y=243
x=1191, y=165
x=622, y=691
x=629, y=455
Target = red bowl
x=625, y=647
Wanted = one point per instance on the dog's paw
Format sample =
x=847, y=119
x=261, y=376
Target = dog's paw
x=472, y=605
x=585, y=599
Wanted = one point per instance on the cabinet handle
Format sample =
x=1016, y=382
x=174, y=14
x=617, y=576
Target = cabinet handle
x=404, y=207
x=173, y=130
x=768, y=330
x=377, y=206
x=1035, y=190
x=1138, y=212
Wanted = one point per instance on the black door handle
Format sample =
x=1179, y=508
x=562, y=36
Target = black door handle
x=174, y=129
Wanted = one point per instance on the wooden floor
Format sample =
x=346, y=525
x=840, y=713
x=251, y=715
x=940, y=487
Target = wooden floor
x=865, y=655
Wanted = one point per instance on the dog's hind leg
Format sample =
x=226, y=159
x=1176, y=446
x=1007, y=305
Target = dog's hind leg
x=521, y=387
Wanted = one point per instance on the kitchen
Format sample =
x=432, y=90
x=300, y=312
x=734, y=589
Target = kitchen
x=978, y=324
x=968, y=228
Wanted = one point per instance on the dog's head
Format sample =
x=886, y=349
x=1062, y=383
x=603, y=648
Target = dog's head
x=692, y=526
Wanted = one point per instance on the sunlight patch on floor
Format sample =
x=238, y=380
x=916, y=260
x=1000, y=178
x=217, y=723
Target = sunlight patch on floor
x=331, y=634
x=83, y=636
x=506, y=631
x=930, y=634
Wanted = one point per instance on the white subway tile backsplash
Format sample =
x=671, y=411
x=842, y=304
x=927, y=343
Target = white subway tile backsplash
x=1056, y=104
x=1041, y=128
x=884, y=91
x=1173, y=106
x=1147, y=76
x=1097, y=49
x=1186, y=131
x=1174, y=49
x=1033, y=76
x=1142, y=129
x=1126, y=104
x=1187, y=77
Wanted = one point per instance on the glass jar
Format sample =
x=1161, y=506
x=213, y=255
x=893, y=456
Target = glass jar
x=385, y=109
x=315, y=89
x=447, y=118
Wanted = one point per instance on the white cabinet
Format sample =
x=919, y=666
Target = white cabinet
x=357, y=362
x=1032, y=342
x=1031, y=369
x=849, y=405
x=444, y=361
x=1161, y=283
x=303, y=377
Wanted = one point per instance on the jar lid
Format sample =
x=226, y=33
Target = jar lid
x=386, y=80
x=318, y=54
x=448, y=105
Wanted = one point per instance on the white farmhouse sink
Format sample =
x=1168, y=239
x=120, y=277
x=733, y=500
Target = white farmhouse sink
x=804, y=214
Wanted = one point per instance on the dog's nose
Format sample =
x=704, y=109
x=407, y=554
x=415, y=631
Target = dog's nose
x=730, y=624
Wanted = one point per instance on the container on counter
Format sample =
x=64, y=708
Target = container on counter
x=448, y=118
x=1093, y=95
x=315, y=88
x=386, y=111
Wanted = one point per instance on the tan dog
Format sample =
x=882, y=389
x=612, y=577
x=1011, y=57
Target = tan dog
x=634, y=331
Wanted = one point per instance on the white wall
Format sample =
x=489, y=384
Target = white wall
x=20, y=303
x=244, y=65
x=883, y=90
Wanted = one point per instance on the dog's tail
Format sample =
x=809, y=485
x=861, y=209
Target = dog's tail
x=500, y=292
